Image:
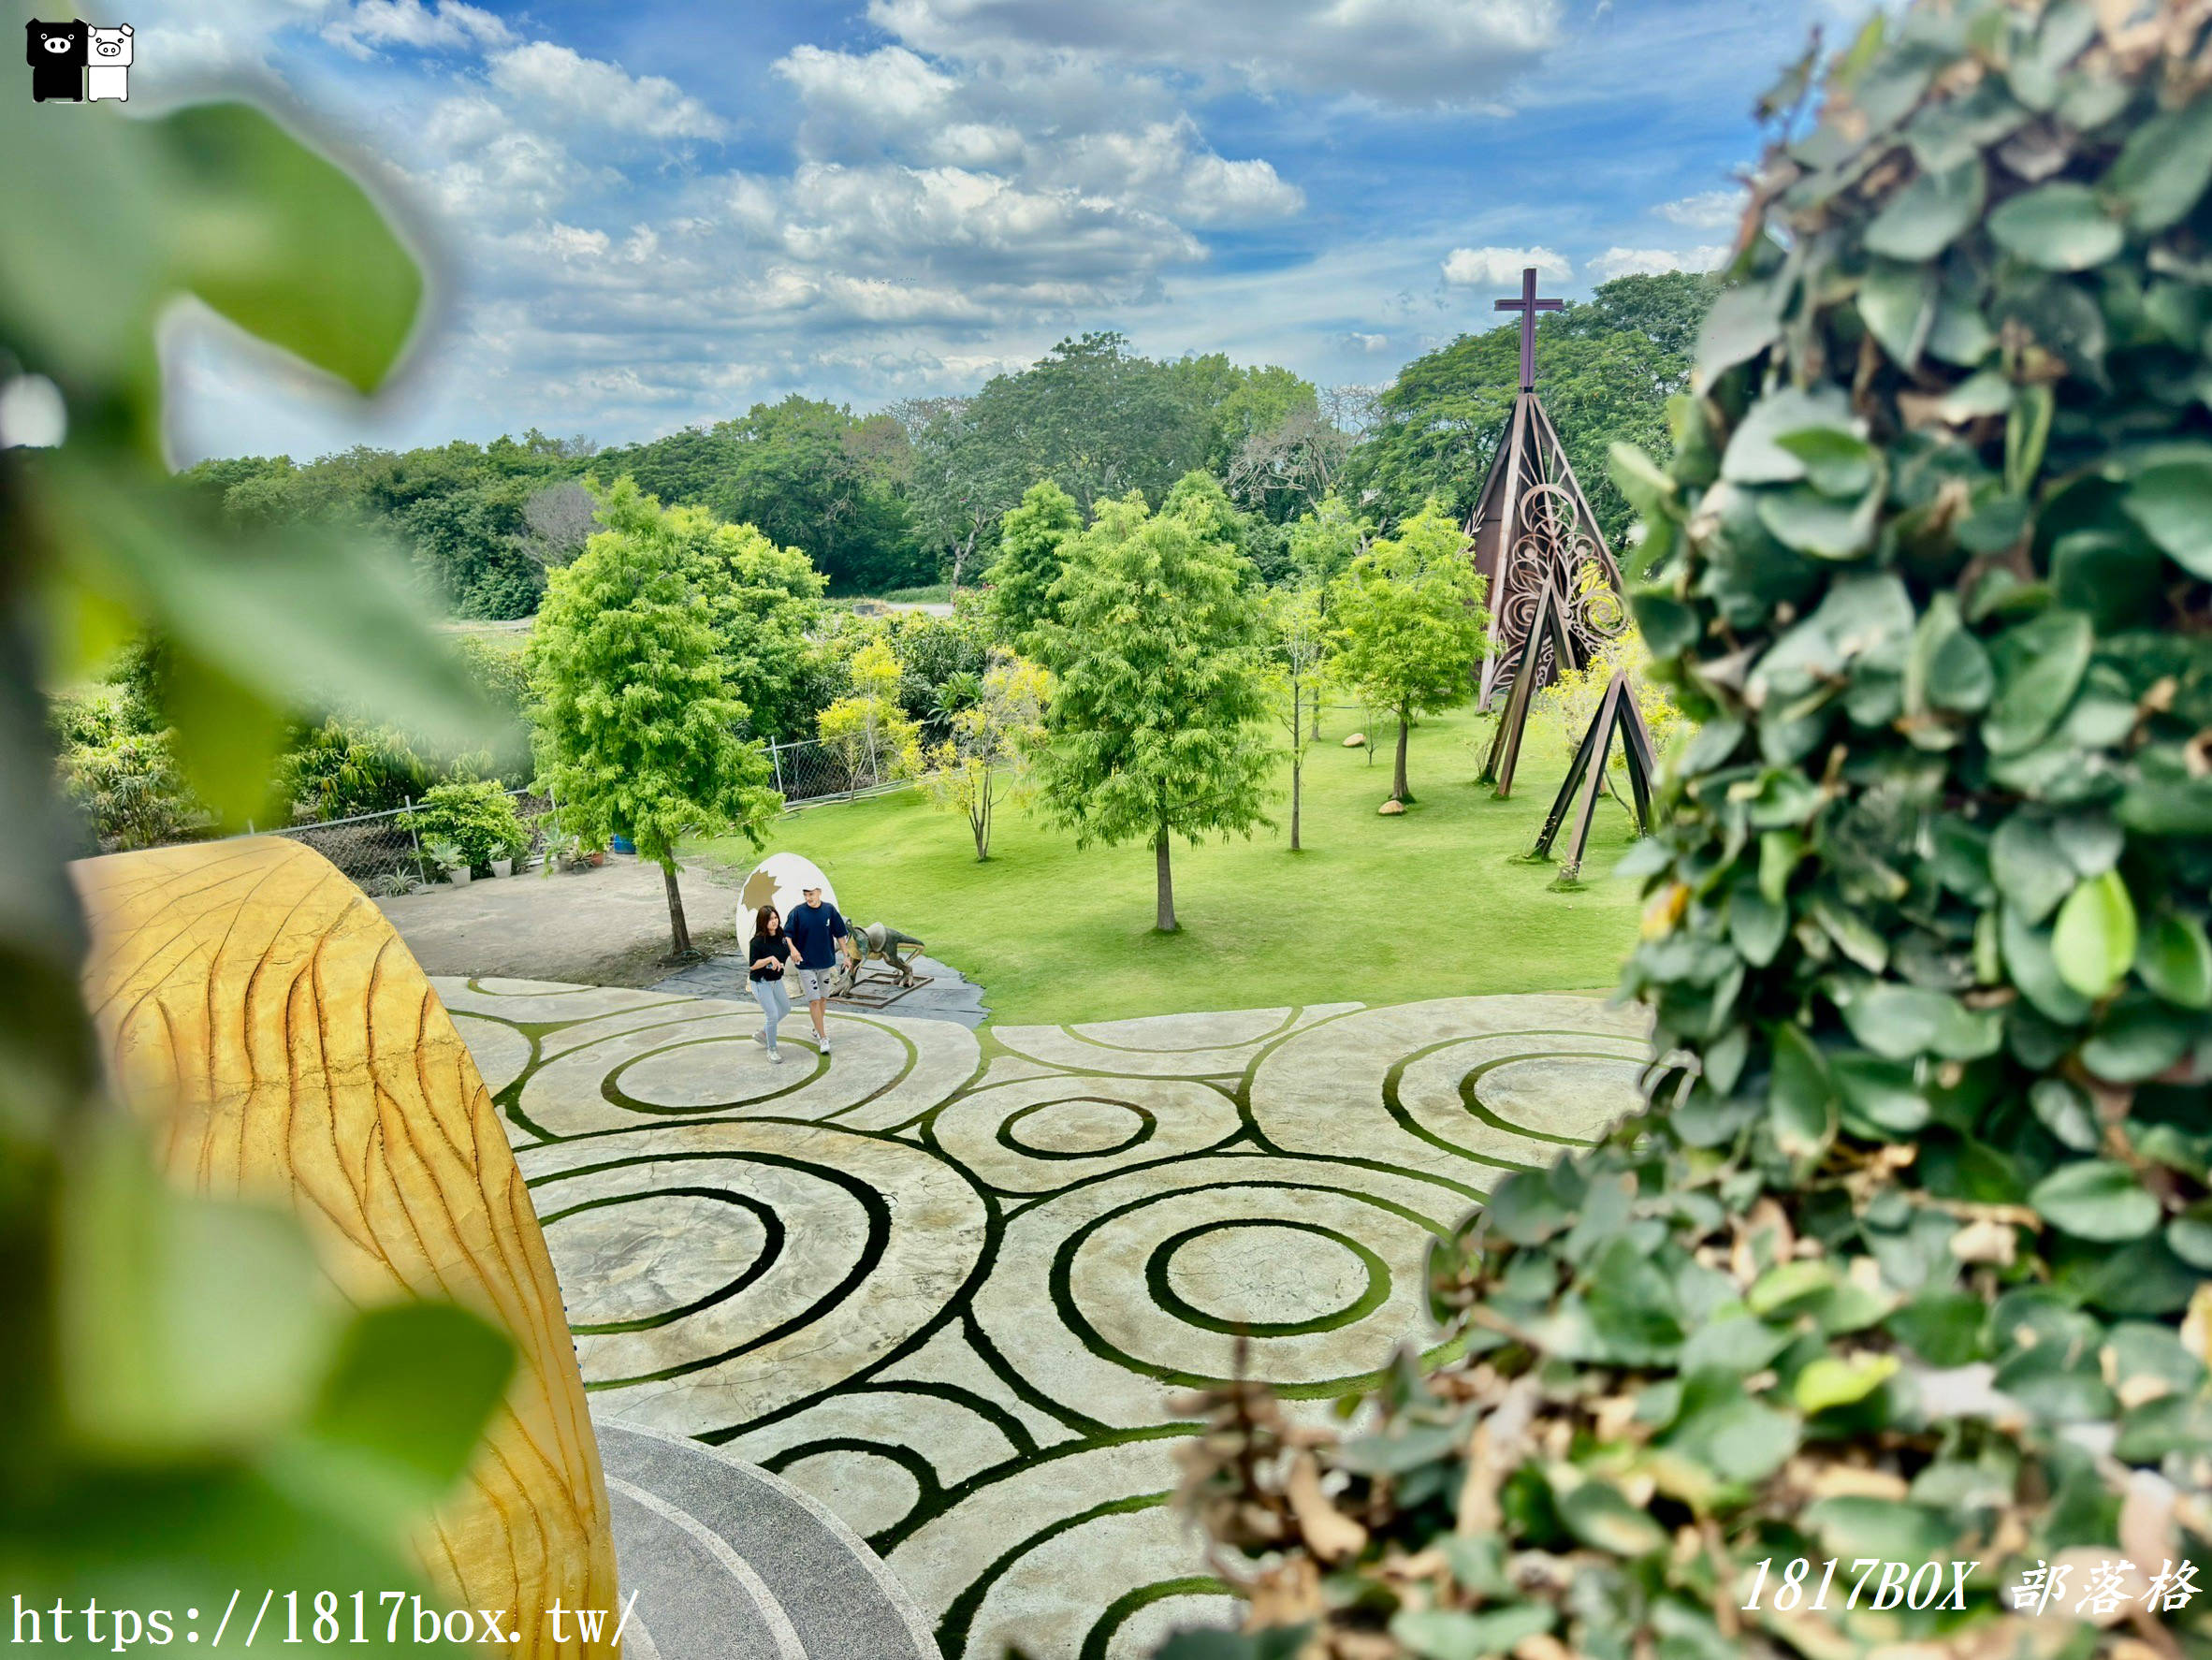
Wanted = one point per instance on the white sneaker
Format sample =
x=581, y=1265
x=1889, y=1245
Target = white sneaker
x=774, y=1057
x=823, y=1044
x=762, y=1039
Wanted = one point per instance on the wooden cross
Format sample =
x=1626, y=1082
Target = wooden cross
x=1528, y=305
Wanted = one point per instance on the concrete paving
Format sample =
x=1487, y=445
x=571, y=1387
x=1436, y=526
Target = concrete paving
x=607, y=926
x=952, y=1286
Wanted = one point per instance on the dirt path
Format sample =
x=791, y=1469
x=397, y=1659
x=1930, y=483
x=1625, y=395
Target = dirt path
x=607, y=926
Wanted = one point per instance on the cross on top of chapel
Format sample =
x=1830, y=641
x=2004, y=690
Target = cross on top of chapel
x=1528, y=305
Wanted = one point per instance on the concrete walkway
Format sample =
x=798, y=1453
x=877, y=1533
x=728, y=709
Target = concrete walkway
x=949, y=1283
x=607, y=926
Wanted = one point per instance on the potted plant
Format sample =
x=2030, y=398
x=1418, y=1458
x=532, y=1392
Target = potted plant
x=448, y=857
x=473, y=815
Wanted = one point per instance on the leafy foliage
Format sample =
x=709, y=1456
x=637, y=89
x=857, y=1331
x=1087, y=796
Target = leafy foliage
x=867, y=729
x=1604, y=370
x=478, y=818
x=179, y=1385
x=1154, y=645
x=984, y=764
x=1407, y=623
x=638, y=708
x=1907, y=1260
x=119, y=768
x=1031, y=559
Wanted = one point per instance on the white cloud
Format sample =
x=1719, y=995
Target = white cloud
x=556, y=81
x=1369, y=344
x=1709, y=210
x=453, y=26
x=1620, y=262
x=1501, y=268
x=483, y=171
x=1414, y=52
x=564, y=241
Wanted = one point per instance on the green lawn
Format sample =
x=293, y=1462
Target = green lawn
x=1373, y=910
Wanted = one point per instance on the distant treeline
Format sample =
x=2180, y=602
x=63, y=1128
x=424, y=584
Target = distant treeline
x=913, y=495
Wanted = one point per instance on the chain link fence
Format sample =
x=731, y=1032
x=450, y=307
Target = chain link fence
x=811, y=770
x=382, y=855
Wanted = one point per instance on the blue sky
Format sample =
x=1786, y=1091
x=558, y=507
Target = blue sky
x=650, y=214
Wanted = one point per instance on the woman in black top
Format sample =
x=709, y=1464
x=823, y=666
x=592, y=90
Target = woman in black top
x=770, y=952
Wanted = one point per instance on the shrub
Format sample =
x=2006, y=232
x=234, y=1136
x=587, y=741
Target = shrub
x=122, y=772
x=1906, y=1261
x=477, y=819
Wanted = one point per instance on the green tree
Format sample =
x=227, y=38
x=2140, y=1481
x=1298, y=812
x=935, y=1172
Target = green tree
x=763, y=601
x=1032, y=557
x=984, y=762
x=1409, y=623
x=1605, y=369
x=1298, y=649
x=1324, y=543
x=1152, y=731
x=637, y=707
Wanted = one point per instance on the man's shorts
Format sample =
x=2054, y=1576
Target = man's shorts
x=815, y=983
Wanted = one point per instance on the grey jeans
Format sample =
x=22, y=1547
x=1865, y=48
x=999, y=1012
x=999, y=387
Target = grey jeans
x=775, y=1004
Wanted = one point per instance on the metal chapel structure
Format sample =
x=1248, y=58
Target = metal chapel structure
x=1554, y=589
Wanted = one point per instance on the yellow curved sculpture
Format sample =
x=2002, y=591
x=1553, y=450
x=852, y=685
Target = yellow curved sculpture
x=268, y=1020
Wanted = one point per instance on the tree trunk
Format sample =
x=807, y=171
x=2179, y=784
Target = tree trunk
x=1165, y=921
x=1294, y=783
x=1398, y=786
x=679, y=932
x=960, y=559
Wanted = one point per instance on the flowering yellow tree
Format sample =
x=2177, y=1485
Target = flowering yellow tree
x=986, y=761
x=870, y=734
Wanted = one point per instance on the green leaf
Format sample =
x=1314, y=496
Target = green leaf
x=2061, y=227
x=2174, y=960
x=1837, y=463
x=413, y=1385
x=2138, y=1038
x=1743, y=322
x=2029, y=868
x=1931, y=213
x=2094, y=943
x=2173, y=503
x=2189, y=1237
x=2095, y=1199
x=1887, y=1529
x=1601, y=1519
x=1942, y=1328
x=1790, y=1287
x=1900, y=1022
x=1446, y=1634
x=187, y=1325
x=1755, y=455
x=1642, y=480
x=1896, y=303
x=1739, y=1437
x=2039, y=667
x=2065, y=1112
x=1832, y=1382
x=1947, y=669
x=1802, y=1095
x=287, y=246
x=1960, y=334
x=2164, y=166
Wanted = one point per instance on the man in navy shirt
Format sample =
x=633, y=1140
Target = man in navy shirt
x=817, y=930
